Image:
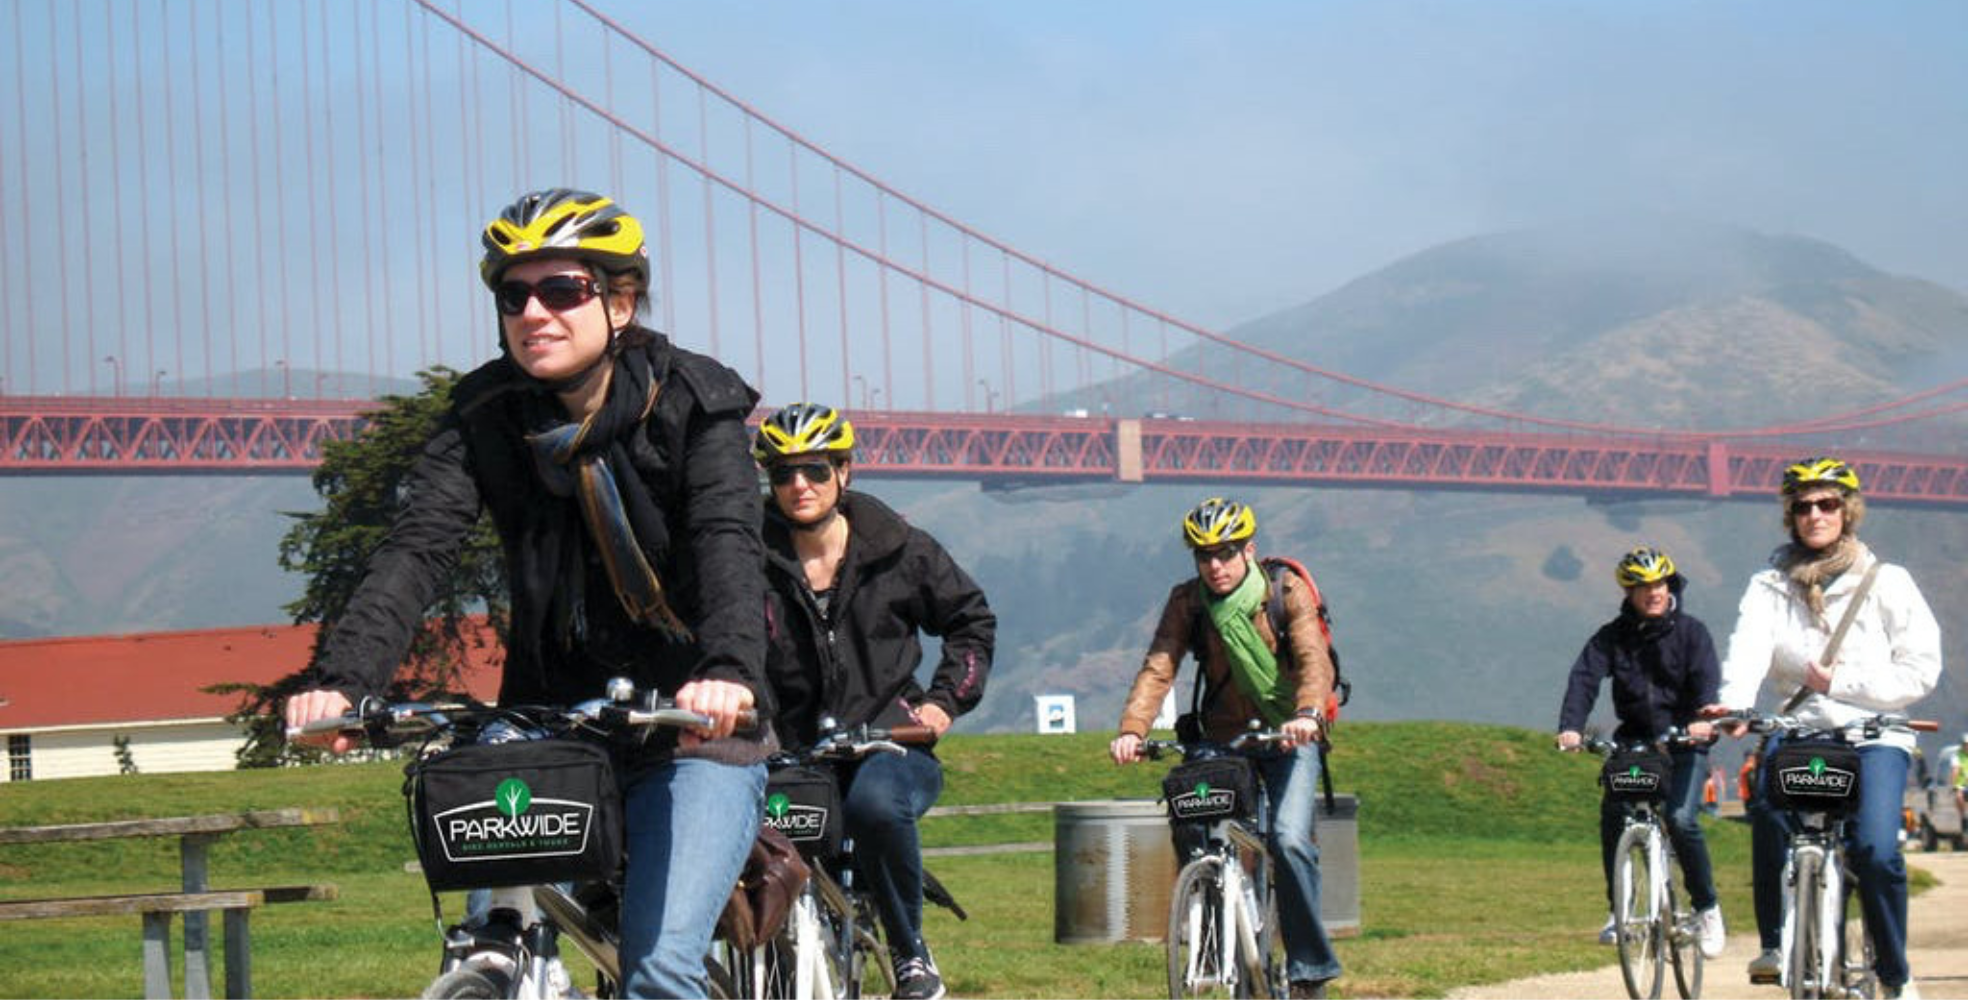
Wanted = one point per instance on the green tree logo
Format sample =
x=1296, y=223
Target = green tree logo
x=1635, y=772
x=1202, y=789
x=513, y=797
x=776, y=805
x=1817, y=767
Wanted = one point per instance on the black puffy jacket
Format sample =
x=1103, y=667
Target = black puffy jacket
x=1663, y=670
x=693, y=456
x=858, y=663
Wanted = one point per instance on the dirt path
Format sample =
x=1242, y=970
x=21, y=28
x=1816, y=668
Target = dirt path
x=1937, y=951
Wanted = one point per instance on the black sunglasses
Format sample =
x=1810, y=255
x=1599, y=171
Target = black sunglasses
x=558, y=292
x=815, y=472
x=1218, y=554
x=1824, y=505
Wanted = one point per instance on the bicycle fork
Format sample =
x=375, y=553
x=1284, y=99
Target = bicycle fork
x=522, y=947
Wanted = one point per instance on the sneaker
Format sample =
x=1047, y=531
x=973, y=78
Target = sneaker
x=1713, y=936
x=1905, y=991
x=1766, y=968
x=916, y=979
x=1609, y=934
x=1308, y=989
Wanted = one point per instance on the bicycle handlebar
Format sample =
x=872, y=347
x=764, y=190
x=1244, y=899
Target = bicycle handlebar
x=1676, y=738
x=1255, y=736
x=856, y=742
x=1869, y=727
x=389, y=723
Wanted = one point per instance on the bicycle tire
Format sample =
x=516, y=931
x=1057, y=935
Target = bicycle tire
x=1856, y=975
x=1684, y=938
x=469, y=983
x=1636, y=920
x=1805, y=943
x=1195, y=945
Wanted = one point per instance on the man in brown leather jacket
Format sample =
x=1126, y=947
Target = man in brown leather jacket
x=1220, y=617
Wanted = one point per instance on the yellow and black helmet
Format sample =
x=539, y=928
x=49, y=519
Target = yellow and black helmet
x=1217, y=521
x=803, y=429
x=1814, y=472
x=562, y=222
x=1645, y=564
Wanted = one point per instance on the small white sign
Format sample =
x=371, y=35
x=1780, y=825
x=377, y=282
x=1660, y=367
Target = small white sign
x=1055, y=713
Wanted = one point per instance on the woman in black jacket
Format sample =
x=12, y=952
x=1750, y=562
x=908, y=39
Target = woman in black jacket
x=615, y=469
x=850, y=585
x=1664, y=670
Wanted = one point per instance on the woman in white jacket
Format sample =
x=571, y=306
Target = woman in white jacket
x=1889, y=659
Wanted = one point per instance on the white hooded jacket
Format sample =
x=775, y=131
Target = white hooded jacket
x=1889, y=658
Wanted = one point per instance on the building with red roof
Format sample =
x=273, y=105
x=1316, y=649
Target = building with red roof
x=65, y=702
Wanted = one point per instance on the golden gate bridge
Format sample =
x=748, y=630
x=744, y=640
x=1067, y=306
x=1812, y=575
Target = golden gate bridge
x=210, y=203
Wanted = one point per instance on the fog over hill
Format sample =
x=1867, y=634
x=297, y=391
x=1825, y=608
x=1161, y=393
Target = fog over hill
x=1448, y=605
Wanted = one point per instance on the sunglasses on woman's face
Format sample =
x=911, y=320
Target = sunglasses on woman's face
x=558, y=292
x=815, y=472
x=1823, y=505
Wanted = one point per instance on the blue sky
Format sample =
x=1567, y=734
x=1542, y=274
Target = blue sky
x=1224, y=160
x=259, y=165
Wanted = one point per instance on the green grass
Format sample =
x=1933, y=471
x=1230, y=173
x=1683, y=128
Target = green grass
x=1478, y=850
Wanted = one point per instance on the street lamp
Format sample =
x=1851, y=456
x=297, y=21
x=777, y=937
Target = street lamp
x=157, y=382
x=286, y=378
x=863, y=383
x=990, y=394
x=115, y=366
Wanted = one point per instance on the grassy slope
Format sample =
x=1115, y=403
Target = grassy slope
x=1477, y=842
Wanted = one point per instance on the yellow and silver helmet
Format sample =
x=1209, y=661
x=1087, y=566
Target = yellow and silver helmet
x=1645, y=564
x=803, y=429
x=562, y=222
x=1217, y=521
x=1814, y=472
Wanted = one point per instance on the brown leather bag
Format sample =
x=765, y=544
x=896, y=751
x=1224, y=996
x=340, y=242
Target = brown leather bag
x=774, y=876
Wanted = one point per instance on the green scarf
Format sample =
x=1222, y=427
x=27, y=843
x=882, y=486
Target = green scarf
x=1252, y=664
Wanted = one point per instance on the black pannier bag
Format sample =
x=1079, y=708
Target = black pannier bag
x=526, y=812
x=1637, y=775
x=1210, y=789
x=804, y=803
x=1814, y=775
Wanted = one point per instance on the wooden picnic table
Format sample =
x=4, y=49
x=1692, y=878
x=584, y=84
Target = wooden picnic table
x=195, y=834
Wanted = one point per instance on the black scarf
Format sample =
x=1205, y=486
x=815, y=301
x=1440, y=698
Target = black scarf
x=596, y=498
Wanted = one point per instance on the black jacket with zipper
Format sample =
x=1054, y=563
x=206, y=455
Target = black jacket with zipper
x=1663, y=671
x=693, y=456
x=857, y=662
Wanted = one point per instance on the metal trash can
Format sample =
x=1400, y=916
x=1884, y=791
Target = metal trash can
x=1114, y=865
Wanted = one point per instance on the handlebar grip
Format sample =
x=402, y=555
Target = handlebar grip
x=330, y=725
x=915, y=734
x=1924, y=725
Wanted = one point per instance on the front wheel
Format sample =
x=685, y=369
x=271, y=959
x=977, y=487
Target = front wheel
x=1806, y=937
x=1856, y=957
x=1195, y=933
x=470, y=983
x=1636, y=914
x=1684, y=942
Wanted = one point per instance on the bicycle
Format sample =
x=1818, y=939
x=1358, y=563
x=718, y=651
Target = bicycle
x=1813, y=774
x=1651, y=923
x=1223, y=918
x=831, y=946
x=514, y=952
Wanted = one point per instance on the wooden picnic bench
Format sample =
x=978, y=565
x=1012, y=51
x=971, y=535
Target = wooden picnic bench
x=195, y=836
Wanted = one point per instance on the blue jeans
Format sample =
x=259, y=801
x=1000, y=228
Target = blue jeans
x=690, y=827
x=1872, y=849
x=1291, y=791
x=885, y=796
x=1684, y=830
